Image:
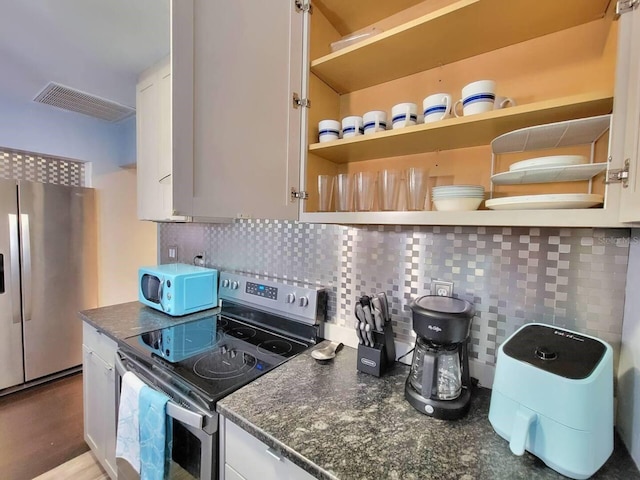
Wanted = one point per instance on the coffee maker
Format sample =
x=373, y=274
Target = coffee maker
x=439, y=384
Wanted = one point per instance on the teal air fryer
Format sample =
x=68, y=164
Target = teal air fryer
x=553, y=397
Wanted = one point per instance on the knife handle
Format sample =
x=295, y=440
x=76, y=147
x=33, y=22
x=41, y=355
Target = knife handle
x=363, y=327
x=367, y=330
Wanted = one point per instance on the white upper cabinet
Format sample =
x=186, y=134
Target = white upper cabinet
x=153, y=133
x=560, y=61
x=626, y=147
x=236, y=131
x=241, y=145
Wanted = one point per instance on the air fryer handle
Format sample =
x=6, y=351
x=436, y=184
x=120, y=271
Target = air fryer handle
x=428, y=373
x=520, y=431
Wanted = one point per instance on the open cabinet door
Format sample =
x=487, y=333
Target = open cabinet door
x=236, y=130
x=626, y=121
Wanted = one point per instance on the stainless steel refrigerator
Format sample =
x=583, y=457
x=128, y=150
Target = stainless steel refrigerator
x=48, y=272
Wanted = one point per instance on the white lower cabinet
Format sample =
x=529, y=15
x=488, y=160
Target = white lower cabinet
x=99, y=396
x=247, y=458
x=231, y=474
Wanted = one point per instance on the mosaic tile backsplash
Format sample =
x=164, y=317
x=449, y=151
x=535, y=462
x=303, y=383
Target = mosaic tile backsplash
x=569, y=277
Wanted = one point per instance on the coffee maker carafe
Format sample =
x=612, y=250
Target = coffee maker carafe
x=439, y=384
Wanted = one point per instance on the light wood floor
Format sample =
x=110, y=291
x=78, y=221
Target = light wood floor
x=83, y=467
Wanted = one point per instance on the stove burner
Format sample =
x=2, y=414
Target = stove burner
x=243, y=333
x=276, y=347
x=224, y=363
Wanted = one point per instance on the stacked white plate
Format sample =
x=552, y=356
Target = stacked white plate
x=450, y=198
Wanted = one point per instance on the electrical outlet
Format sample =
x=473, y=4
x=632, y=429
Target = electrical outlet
x=200, y=259
x=442, y=288
x=172, y=252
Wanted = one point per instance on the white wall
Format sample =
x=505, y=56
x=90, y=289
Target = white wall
x=629, y=366
x=124, y=243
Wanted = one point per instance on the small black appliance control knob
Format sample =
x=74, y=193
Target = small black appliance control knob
x=545, y=353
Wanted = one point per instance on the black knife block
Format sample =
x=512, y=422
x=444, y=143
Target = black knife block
x=378, y=359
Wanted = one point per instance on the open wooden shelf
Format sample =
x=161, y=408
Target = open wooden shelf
x=352, y=15
x=462, y=132
x=461, y=30
x=586, y=217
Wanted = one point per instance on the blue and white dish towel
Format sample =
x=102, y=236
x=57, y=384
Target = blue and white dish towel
x=128, y=435
x=144, y=430
x=155, y=435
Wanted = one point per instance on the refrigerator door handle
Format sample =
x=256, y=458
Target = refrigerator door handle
x=26, y=266
x=14, y=260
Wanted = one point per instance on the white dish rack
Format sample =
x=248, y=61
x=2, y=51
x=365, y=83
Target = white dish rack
x=583, y=131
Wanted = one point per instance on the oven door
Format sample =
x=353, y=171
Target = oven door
x=194, y=433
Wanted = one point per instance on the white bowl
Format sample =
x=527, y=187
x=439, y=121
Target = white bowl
x=458, y=195
x=445, y=188
x=457, y=204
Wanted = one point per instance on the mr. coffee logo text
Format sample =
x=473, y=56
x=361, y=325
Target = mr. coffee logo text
x=435, y=328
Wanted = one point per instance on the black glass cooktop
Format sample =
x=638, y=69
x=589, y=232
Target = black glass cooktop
x=213, y=356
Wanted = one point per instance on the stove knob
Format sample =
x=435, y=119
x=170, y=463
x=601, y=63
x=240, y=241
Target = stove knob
x=223, y=349
x=304, y=301
x=225, y=283
x=233, y=353
x=234, y=285
x=291, y=298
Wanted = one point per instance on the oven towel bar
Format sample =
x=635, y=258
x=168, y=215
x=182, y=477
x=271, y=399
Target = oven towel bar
x=128, y=433
x=155, y=434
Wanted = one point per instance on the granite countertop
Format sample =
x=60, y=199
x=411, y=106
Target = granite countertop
x=133, y=318
x=337, y=423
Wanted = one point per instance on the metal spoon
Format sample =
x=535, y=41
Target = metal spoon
x=327, y=352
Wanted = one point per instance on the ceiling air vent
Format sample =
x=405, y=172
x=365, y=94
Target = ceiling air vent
x=76, y=101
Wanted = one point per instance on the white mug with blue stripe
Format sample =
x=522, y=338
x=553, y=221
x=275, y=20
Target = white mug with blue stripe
x=436, y=107
x=352, y=126
x=477, y=97
x=374, y=121
x=404, y=115
x=328, y=130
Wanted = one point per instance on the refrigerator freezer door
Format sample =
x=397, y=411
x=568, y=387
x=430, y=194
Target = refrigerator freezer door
x=11, y=371
x=59, y=258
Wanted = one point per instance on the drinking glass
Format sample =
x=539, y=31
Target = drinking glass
x=417, y=179
x=344, y=192
x=364, y=190
x=389, y=189
x=325, y=191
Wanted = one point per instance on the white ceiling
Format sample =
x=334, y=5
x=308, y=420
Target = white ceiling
x=97, y=46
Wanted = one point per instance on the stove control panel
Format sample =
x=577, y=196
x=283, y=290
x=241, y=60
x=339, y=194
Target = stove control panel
x=262, y=290
x=302, y=301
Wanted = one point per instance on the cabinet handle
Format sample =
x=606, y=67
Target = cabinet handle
x=274, y=454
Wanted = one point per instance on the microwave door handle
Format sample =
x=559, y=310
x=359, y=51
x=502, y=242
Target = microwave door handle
x=174, y=410
x=160, y=293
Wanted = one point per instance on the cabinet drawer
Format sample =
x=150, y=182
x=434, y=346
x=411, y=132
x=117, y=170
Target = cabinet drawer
x=254, y=460
x=99, y=343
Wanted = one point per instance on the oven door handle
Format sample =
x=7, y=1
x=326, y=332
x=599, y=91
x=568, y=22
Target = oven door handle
x=174, y=410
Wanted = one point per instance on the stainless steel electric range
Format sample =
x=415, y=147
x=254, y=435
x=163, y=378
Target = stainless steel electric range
x=262, y=323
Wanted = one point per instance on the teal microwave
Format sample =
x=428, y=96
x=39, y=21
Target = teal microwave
x=178, y=289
